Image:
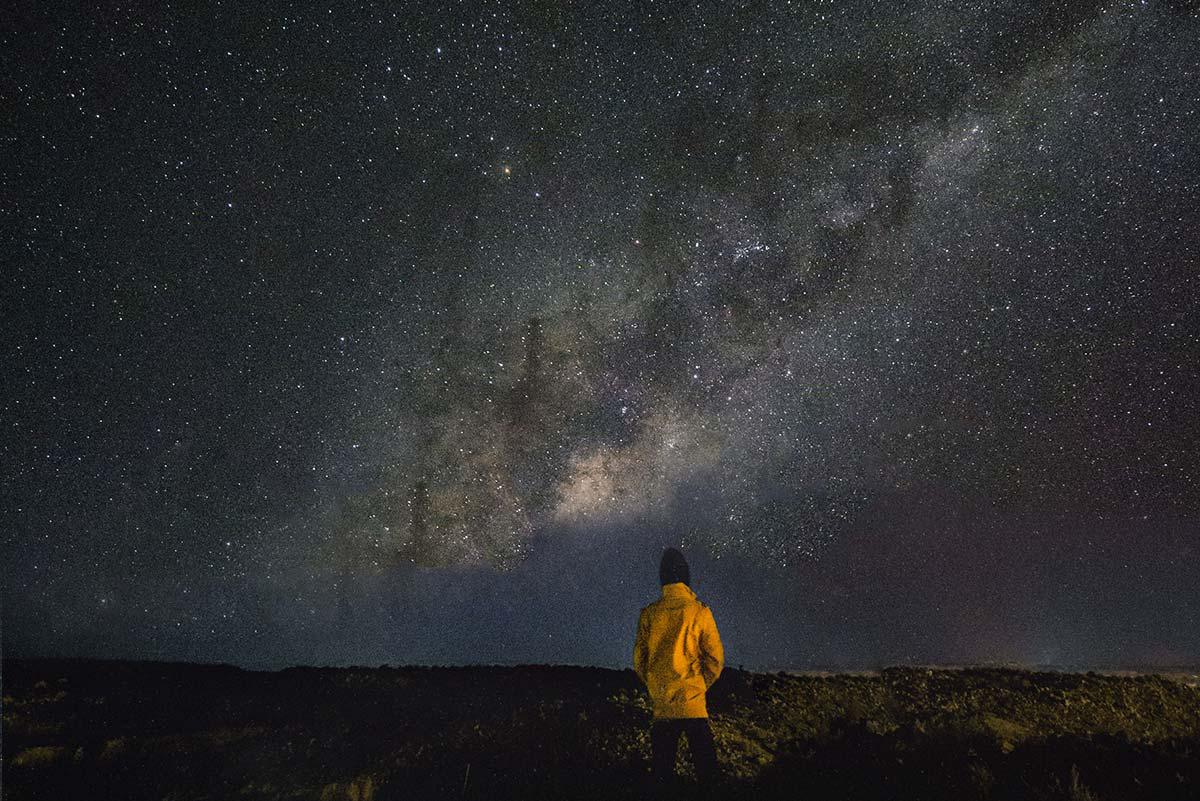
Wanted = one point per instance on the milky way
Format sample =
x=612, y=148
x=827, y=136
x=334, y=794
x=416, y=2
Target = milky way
x=345, y=335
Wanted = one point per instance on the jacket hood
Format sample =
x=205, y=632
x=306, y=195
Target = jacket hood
x=678, y=591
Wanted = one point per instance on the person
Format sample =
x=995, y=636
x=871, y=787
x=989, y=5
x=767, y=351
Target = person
x=678, y=655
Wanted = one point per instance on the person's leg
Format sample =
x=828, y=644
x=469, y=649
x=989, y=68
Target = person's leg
x=704, y=751
x=664, y=742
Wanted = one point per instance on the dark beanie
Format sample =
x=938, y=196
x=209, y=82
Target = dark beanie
x=673, y=568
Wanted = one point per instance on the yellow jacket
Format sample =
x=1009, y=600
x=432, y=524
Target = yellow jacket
x=678, y=653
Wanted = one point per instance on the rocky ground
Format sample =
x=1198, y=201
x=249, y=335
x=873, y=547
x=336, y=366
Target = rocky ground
x=91, y=729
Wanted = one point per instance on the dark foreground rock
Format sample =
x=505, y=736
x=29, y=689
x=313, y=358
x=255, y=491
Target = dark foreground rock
x=92, y=729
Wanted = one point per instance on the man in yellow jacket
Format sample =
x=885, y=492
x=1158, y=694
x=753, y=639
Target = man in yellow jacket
x=678, y=656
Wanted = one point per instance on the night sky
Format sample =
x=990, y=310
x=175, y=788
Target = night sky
x=348, y=335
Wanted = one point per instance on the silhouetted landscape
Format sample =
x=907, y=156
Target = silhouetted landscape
x=110, y=729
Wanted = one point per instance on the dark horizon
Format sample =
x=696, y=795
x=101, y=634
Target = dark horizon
x=473, y=610
x=1163, y=670
x=354, y=335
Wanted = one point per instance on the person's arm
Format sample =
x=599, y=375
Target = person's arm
x=641, y=649
x=712, y=653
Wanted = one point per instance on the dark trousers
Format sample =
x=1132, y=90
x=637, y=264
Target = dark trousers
x=664, y=742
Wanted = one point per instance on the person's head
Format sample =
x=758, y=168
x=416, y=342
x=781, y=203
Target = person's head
x=673, y=568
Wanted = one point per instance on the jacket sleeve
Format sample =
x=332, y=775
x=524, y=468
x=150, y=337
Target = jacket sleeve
x=712, y=653
x=641, y=648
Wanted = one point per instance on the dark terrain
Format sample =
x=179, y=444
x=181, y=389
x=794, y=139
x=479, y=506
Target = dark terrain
x=94, y=729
